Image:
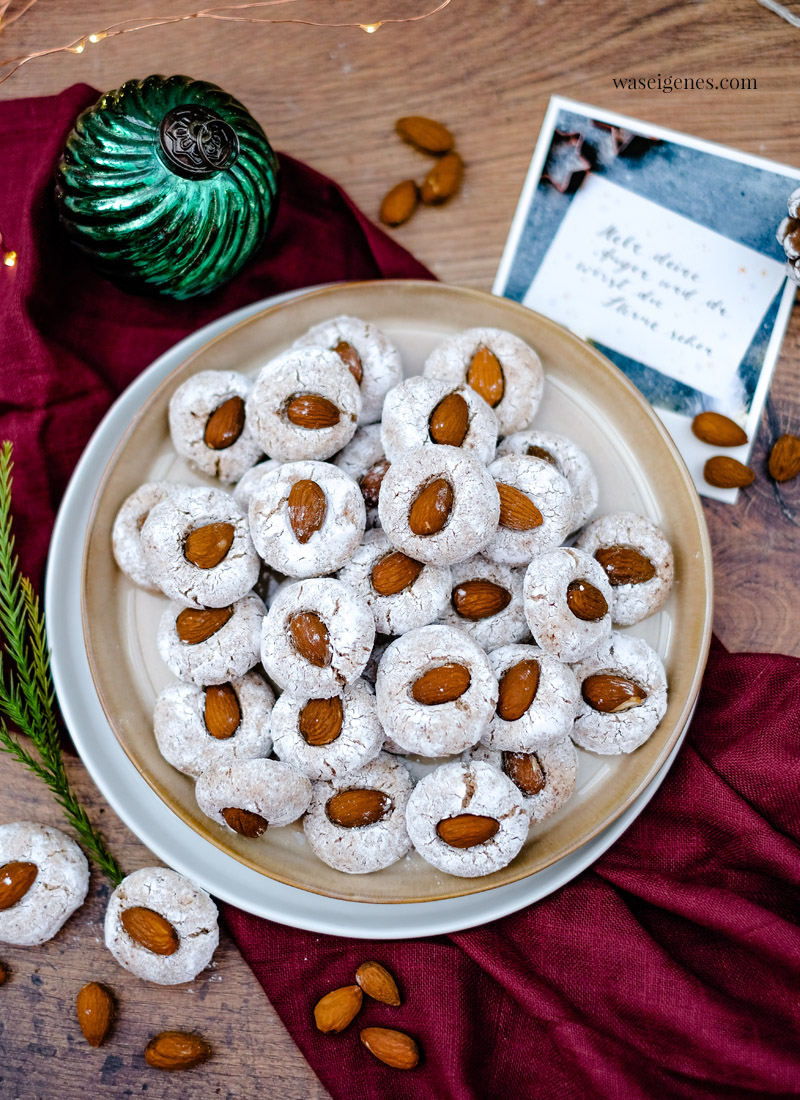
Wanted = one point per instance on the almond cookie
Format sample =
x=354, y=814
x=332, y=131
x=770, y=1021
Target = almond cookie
x=435, y=691
x=304, y=404
x=357, y=823
x=536, y=509
x=467, y=819
x=317, y=637
x=368, y=354
x=438, y=505
x=161, y=927
x=126, y=541
x=545, y=778
x=196, y=727
x=623, y=696
x=566, y=457
x=197, y=546
x=246, y=796
x=567, y=601
x=44, y=877
x=327, y=738
x=250, y=480
x=307, y=518
x=364, y=460
x=401, y=593
x=537, y=701
x=485, y=601
x=211, y=645
x=638, y=563
x=424, y=412
x=209, y=427
x=504, y=370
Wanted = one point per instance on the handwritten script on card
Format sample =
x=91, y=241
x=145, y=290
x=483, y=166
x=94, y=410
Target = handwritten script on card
x=656, y=287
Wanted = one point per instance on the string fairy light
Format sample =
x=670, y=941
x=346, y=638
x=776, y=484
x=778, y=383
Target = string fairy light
x=9, y=256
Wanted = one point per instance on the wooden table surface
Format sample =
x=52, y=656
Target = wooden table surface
x=330, y=97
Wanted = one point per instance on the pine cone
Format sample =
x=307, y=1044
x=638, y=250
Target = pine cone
x=789, y=237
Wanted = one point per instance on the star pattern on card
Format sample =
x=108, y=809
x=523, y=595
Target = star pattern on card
x=609, y=141
x=565, y=160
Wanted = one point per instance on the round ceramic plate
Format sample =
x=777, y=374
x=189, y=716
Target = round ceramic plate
x=586, y=398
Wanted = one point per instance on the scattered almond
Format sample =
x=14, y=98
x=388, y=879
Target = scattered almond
x=425, y=133
x=784, y=459
x=586, y=602
x=718, y=430
x=351, y=359
x=311, y=638
x=540, y=452
x=222, y=712
x=525, y=770
x=16, y=880
x=612, y=694
x=370, y=483
x=337, y=1009
x=485, y=376
x=517, y=510
x=245, y=822
x=95, y=1008
x=176, y=1050
x=378, y=983
x=442, y=684
x=430, y=509
x=225, y=424
x=479, y=599
x=307, y=505
x=206, y=546
x=449, y=421
x=195, y=625
x=467, y=830
x=399, y=203
x=320, y=720
x=518, y=687
x=725, y=472
x=393, y=1048
x=624, y=565
x=358, y=807
x=150, y=930
x=394, y=572
x=442, y=180
x=312, y=411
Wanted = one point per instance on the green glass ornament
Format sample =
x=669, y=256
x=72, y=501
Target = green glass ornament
x=168, y=184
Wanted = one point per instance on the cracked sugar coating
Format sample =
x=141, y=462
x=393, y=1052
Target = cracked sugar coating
x=358, y=742
x=407, y=413
x=293, y=373
x=190, y=408
x=351, y=631
x=331, y=545
x=633, y=602
x=569, y=460
x=418, y=604
x=189, y=910
x=559, y=765
x=381, y=367
x=632, y=658
x=473, y=516
x=550, y=494
x=60, y=886
x=183, y=737
x=126, y=541
x=553, y=625
x=269, y=788
x=362, y=454
x=365, y=848
x=164, y=536
x=507, y=625
x=552, y=711
x=250, y=480
x=459, y=788
x=523, y=378
x=227, y=655
x=438, y=729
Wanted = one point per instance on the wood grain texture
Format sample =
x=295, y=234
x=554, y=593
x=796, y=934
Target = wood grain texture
x=330, y=97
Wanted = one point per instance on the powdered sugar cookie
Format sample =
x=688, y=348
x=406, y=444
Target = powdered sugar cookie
x=307, y=518
x=545, y=778
x=435, y=691
x=566, y=457
x=485, y=601
x=250, y=480
x=504, y=370
x=190, y=936
x=327, y=738
x=623, y=696
x=537, y=701
x=467, y=819
x=47, y=873
x=357, y=823
x=126, y=539
x=567, y=601
x=536, y=509
x=638, y=562
x=196, y=727
x=211, y=645
x=247, y=796
x=368, y=354
x=209, y=427
x=424, y=412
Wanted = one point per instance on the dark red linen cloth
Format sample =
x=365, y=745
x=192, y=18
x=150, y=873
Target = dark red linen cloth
x=672, y=967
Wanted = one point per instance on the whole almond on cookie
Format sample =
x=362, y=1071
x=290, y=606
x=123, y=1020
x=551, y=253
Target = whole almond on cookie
x=430, y=509
x=206, y=546
x=517, y=510
x=378, y=983
x=351, y=359
x=394, y=573
x=612, y=694
x=624, y=565
x=358, y=807
x=442, y=684
x=245, y=822
x=150, y=930
x=718, y=430
x=784, y=459
x=225, y=424
x=442, y=180
x=586, y=602
x=173, y=1050
x=311, y=638
x=517, y=689
x=399, y=203
x=485, y=376
x=525, y=771
x=312, y=411
x=425, y=133
x=222, y=712
x=467, y=830
x=370, y=483
x=195, y=625
x=337, y=1009
x=479, y=599
x=449, y=421
x=95, y=1008
x=320, y=720
x=307, y=505
x=16, y=880
x=725, y=472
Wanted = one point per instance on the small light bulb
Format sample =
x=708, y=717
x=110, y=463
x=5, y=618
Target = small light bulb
x=370, y=28
x=96, y=37
x=79, y=48
x=10, y=259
